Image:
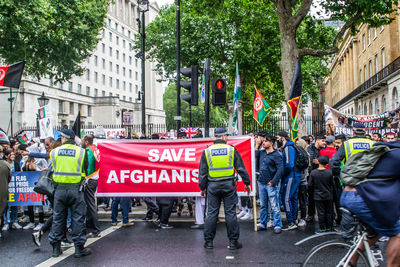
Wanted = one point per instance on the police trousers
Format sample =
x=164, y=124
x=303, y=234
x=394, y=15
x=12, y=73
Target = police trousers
x=216, y=192
x=68, y=196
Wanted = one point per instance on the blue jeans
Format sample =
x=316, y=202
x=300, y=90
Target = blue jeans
x=11, y=216
x=125, y=203
x=269, y=198
x=290, y=198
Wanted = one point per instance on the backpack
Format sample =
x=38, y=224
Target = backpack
x=359, y=165
x=301, y=161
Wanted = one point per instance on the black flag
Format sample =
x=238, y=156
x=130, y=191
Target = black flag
x=77, y=125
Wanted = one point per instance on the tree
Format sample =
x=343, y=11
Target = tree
x=217, y=115
x=232, y=31
x=53, y=36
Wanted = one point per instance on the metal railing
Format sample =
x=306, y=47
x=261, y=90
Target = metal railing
x=374, y=80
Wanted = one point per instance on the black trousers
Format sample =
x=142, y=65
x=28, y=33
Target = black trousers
x=152, y=207
x=216, y=192
x=165, y=205
x=325, y=213
x=302, y=197
x=337, y=192
x=246, y=202
x=311, y=204
x=68, y=196
x=31, y=215
x=91, y=208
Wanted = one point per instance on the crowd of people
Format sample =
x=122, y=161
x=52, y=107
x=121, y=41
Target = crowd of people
x=300, y=178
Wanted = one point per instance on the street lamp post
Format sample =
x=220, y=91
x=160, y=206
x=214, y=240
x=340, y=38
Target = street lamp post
x=143, y=6
x=43, y=101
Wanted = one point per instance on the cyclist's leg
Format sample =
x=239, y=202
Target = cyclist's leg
x=371, y=241
x=393, y=251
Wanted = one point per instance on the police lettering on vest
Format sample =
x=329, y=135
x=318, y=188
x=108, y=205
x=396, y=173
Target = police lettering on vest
x=67, y=152
x=219, y=152
x=363, y=146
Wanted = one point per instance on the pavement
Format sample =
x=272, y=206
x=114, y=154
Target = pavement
x=146, y=245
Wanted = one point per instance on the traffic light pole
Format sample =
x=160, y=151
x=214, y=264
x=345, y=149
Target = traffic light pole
x=207, y=74
x=190, y=115
x=143, y=77
x=178, y=64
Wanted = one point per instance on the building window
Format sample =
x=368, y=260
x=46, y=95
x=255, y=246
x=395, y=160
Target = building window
x=60, y=106
x=383, y=104
x=88, y=75
x=124, y=98
x=360, y=76
x=365, y=73
x=116, y=26
x=136, y=62
x=109, y=22
x=369, y=36
x=371, y=110
x=71, y=108
x=136, y=75
x=103, y=63
x=117, y=54
x=95, y=76
x=80, y=108
x=129, y=34
x=110, y=66
x=103, y=93
x=365, y=109
x=376, y=64
x=117, y=68
x=96, y=92
x=130, y=73
x=103, y=79
x=123, y=71
x=383, y=58
x=95, y=61
x=103, y=48
x=130, y=99
x=123, y=43
x=110, y=82
x=136, y=89
x=130, y=87
x=89, y=111
x=110, y=51
x=70, y=86
x=370, y=68
x=377, y=106
x=123, y=57
x=130, y=60
x=359, y=109
x=117, y=40
x=363, y=40
x=79, y=88
x=87, y=90
x=110, y=36
x=124, y=85
x=110, y=94
x=395, y=98
x=117, y=84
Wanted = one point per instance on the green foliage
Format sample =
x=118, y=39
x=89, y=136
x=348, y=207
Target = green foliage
x=217, y=115
x=53, y=36
x=233, y=31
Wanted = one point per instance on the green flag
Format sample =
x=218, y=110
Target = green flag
x=260, y=108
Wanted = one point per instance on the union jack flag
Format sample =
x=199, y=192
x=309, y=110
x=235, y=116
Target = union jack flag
x=190, y=131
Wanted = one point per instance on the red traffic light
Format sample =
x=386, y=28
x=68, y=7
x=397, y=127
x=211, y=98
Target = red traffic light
x=220, y=84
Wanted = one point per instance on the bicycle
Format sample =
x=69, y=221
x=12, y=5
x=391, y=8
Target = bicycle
x=338, y=252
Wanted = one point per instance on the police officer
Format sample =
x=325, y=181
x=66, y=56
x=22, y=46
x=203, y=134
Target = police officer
x=69, y=162
x=350, y=147
x=217, y=177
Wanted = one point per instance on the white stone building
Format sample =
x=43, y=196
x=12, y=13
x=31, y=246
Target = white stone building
x=109, y=86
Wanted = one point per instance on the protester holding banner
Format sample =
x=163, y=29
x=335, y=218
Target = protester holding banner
x=5, y=176
x=217, y=177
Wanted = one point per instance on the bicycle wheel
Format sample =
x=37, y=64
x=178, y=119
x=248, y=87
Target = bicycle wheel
x=330, y=253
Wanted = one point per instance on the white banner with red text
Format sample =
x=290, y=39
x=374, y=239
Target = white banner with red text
x=161, y=167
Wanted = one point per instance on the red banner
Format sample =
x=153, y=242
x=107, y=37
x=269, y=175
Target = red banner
x=161, y=167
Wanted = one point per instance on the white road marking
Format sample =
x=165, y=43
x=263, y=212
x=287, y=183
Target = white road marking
x=70, y=251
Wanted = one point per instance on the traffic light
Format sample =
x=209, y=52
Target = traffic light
x=192, y=85
x=218, y=92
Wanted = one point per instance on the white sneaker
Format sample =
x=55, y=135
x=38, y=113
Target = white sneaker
x=29, y=226
x=301, y=223
x=261, y=227
x=16, y=226
x=270, y=224
x=241, y=214
x=247, y=217
x=384, y=239
x=6, y=227
x=102, y=205
x=38, y=227
x=24, y=219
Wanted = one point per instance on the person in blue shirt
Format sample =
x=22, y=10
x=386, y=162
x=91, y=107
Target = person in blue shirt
x=290, y=180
